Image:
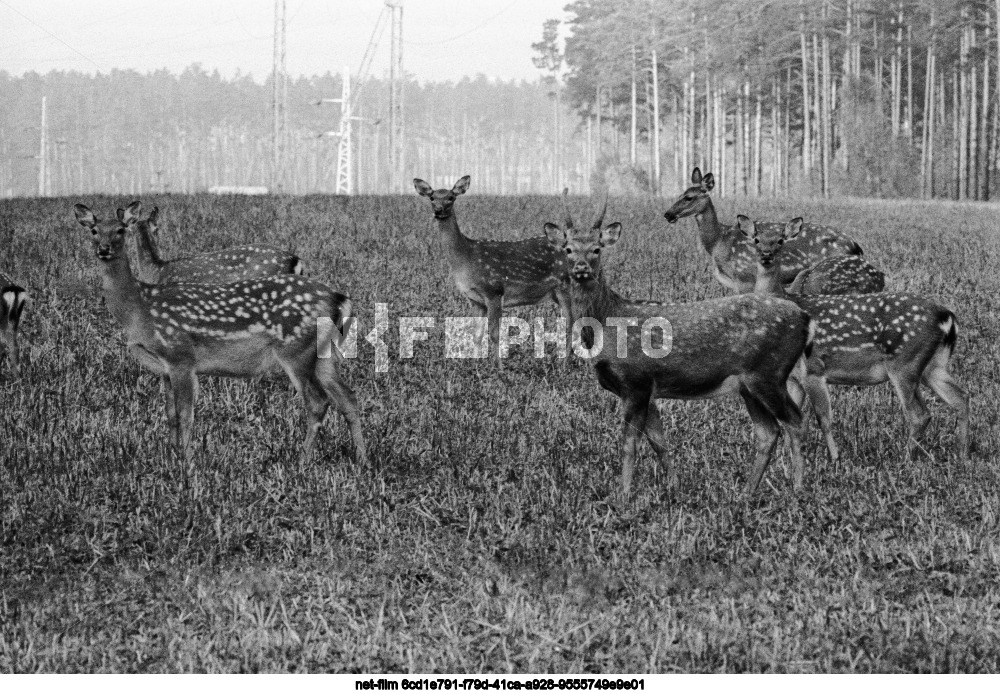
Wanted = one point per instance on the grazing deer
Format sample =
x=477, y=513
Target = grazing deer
x=744, y=344
x=495, y=274
x=843, y=274
x=734, y=259
x=242, y=329
x=13, y=297
x=217, y=267
x=868, y=339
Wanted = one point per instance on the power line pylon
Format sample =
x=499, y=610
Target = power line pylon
x=279, y=99
x=396, y=141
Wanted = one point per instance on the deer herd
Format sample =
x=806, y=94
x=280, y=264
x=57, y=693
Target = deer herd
x=808, y=311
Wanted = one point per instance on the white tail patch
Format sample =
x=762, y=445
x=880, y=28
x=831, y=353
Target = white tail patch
x=298, y=267
x=946, y=325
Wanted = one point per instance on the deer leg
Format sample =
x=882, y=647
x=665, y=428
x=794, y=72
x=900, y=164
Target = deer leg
x=636, y=414
x=494, y=311
x=766, y=429
x=185, y=386
x=794, y=435
x=654, y=432
x=907, y=387
x=819, y=397
x=943, y=383
x=346, y=401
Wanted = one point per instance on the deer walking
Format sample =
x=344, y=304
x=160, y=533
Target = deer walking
x=13, y=297
x=744, y=344
x=242, y=329
x=843, y=274
x=495, y=274
x=734, y=258
x=216, y=267
x=868, y=339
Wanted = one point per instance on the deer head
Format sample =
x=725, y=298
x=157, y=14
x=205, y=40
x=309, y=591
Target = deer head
x=108, y=236
x=695, y=199
x=442, y=199
x=768, y=239
x=583, y=246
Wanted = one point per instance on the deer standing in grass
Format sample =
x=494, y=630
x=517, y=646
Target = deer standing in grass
x=217, y=267
x=242, y=329
x=495, y=274
x=868, y=339
x=744, y=344
x=734, y=259
x=843, y=274
x=13, y=297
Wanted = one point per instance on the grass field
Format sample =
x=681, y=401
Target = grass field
x=483, y=536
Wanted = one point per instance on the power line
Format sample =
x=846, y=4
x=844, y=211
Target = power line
x=464, y=33
x=32, y=21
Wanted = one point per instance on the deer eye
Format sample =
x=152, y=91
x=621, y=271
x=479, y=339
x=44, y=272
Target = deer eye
x=781, y=241
x=597, y=251
x=568, y=250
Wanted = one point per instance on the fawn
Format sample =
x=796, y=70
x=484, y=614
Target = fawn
x=216, y=267
x=734, y=259
x=868, y=339
x=742, y=344
x=242, y=329
x=494, y=274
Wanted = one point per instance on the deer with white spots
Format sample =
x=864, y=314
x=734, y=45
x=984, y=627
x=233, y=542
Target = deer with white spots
x=241, y=329
x=868, y=339
x=216, y=267
x=744, y=344
x=734, y=259
x=495, y=274
x=843, y=274
x=13, y=297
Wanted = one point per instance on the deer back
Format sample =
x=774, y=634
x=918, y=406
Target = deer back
x=846, y=274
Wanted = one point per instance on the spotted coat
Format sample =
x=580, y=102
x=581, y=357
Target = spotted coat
x=845, y=274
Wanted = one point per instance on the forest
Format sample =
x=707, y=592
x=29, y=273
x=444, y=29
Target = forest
x=879, y=99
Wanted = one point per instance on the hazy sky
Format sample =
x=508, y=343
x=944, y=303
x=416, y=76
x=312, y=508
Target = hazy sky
x=443, y=39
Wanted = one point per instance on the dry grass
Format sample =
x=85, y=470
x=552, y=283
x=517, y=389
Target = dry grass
x=482, y=537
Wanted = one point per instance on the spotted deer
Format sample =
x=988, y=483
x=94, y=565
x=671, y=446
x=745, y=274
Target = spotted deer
x=734, y=259
x=241, y=329
x=495, y=274
x=744, y=344
x=216, y=267
x=843, y=274
x=13, y=297
x=868, y=339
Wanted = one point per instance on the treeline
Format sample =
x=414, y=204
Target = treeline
x=125, y=132
x=863, y=97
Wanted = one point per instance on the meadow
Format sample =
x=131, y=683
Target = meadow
x=484, y=535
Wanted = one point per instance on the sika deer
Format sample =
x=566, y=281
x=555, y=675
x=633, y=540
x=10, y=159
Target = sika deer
x=494, y=274
x=844, y=274
x=743, y=344
x=734, y=259
x=217, y=267
x=242, y=329
x=868, y=339
x=13, y=297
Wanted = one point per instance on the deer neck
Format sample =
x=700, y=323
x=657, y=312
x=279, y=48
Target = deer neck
x=121, y=290
x=454, y=240
x=146, y=247
x=595, y=300
x=709, y=228
x=769, y=281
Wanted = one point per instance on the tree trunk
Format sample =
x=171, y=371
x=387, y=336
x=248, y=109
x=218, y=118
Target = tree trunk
x=806, y=133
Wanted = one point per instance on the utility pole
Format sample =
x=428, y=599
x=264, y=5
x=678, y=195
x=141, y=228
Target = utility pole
x=43, y=152
x=396, y=145
x=279, y=99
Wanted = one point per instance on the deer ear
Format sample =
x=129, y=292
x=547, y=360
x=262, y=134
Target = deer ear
x=462, y=185
x=610, y=234
x=793, y=228
x=708, y=182
x=84, y=216
x=746, y=226
x=696, y=176
x=422, y=187
x=555, y=235
x=130, y=214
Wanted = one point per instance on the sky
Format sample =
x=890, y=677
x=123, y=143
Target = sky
x=442, y=39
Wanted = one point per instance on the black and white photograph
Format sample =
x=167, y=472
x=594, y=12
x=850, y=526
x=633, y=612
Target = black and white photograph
x=500, y=344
